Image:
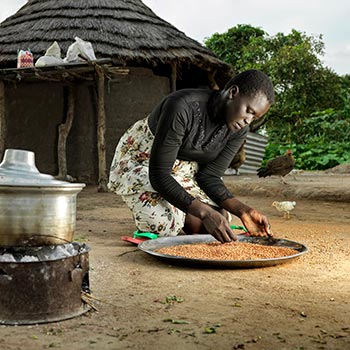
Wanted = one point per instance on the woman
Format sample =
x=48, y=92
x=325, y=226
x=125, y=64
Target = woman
x=168, y=167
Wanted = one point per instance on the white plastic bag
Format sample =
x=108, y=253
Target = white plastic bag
x=54, y=50
x=79, y=49
x=52, y=57
x=44, y=61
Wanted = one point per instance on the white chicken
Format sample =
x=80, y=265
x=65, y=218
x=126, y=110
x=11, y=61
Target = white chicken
x=286, y=207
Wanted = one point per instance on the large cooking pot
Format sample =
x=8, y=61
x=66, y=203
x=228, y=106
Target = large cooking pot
x=35, y=209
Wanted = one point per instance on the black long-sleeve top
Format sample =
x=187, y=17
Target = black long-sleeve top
x=187, y=127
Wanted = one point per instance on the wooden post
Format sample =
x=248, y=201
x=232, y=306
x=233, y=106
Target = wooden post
x=63, y=132
x=211, y=77
x=2, y=120
x=101, y=131
x=173, y=76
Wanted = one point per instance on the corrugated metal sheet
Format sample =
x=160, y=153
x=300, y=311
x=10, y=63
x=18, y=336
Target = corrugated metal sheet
x=254, y=150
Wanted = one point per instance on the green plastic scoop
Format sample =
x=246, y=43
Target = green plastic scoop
x=149, y=235
x=235, y=227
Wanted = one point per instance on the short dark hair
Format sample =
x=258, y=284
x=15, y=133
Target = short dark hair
x=252, y=82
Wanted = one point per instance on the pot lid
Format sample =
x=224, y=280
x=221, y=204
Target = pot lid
x=18, y=169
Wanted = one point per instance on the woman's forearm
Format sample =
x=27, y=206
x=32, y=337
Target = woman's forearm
x=235, y=207
x=199, y=209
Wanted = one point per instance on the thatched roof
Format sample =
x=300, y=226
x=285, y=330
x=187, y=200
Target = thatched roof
x=127, y=31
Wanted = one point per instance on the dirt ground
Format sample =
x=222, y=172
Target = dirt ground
x=148, y=304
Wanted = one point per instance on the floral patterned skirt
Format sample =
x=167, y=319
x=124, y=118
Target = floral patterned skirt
x=129, y=178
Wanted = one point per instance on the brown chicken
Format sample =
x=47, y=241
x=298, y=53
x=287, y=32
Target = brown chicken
x=238, y=159
x=280, y=166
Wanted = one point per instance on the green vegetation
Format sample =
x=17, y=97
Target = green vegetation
x=327, y=143
x=311, y=114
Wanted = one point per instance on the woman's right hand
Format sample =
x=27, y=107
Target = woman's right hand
x=217, y=225
x=213, y=221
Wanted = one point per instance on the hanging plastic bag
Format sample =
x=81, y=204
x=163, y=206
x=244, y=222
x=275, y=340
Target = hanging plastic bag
x=80, y=51
x=25, y=59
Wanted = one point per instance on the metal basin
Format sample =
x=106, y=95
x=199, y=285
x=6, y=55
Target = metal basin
x=151, y=246
x=35, y=209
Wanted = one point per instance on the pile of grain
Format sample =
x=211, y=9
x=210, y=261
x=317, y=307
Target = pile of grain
x=227, y=251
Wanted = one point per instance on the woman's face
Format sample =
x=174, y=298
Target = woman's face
x=242, y=110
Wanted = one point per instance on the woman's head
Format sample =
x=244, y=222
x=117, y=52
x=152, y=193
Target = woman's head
x=248, y=96
x=251, y=83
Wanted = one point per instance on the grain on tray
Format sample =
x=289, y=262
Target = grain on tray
x=227, y=251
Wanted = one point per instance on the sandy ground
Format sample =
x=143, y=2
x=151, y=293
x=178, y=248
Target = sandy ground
x=148, y=304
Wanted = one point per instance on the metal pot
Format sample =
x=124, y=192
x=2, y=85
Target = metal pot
x=35, y=209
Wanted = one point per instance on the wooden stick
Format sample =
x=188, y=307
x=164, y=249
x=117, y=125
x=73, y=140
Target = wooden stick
x=173, y=76
x=90, y=296
x=63, y=132
x=87, y=301
x=211, y=77
x=2, y=120
x=101, y=131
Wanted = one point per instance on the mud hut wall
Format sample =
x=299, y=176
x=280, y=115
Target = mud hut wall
x=33, y=112
x=128, y=98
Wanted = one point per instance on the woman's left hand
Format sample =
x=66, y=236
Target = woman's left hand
x=256, y=223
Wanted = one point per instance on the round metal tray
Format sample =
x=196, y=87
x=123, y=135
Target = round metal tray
x=150, y=247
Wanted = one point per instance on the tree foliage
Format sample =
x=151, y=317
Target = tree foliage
x=229, y=46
